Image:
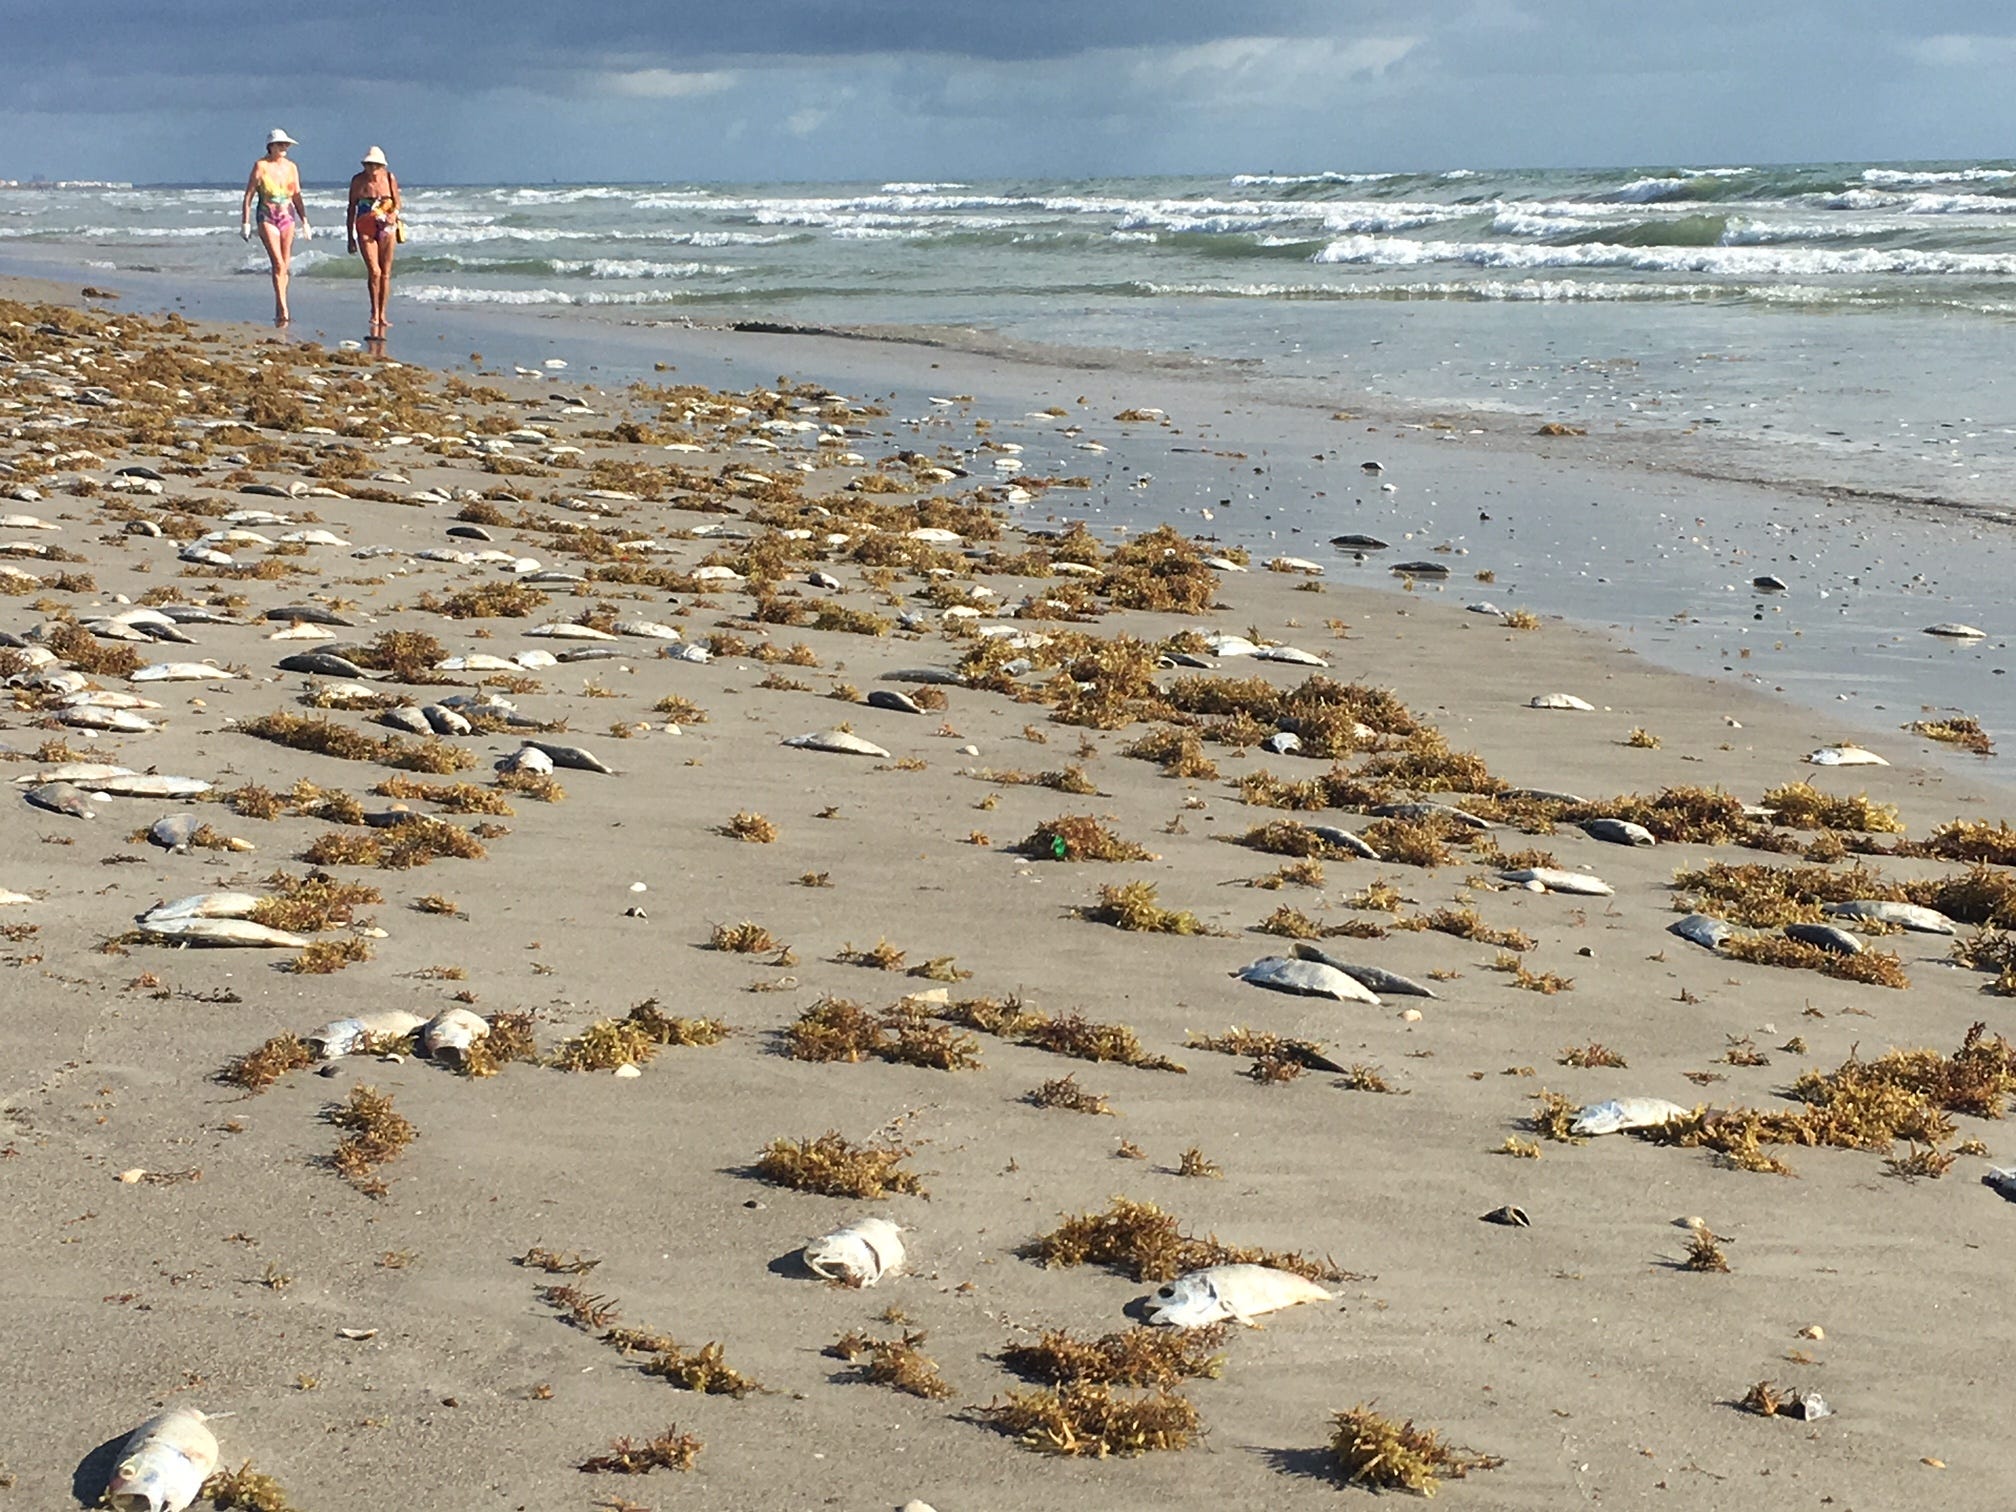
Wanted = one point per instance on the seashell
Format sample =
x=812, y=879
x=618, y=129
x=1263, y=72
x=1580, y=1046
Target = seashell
x=211, y=905
x=1951, y=630
x=1619, y=832
x=1703, y=929
x=1769, y=584
x=1912, y=916
x=576, y=757
x=451, y=1032
x=223, y=933
x=1827, y=937
x=1509, y=1216
x=860, y=1254
x=1553, y=880
x=1560, y=701
x=1238, y=1293
x=1377, y=979
x=342, y=1036
x=62, y=798
x=889, y=698
x=1624, y=1113
x=180, y=672
x=1845, y=755
x=838, y=742
x=1305, y=979
x=163, y=1464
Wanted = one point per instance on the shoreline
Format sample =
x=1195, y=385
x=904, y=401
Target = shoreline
x=191, y=1244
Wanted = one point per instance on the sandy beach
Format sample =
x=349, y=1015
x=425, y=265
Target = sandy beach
x=378, y=1326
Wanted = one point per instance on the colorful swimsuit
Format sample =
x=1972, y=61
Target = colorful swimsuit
x=276, y=201
x=375, y=216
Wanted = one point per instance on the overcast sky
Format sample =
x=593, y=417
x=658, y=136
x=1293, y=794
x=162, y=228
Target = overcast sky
x=629, y=90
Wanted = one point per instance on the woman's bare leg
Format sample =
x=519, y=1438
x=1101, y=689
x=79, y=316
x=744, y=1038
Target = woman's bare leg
x=383, y=293
x=279, y=242
x=374, y=251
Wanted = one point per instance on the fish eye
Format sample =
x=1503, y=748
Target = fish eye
x=1166, y=1293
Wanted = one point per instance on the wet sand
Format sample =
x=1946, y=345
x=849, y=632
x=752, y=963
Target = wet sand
x=1575, y=1349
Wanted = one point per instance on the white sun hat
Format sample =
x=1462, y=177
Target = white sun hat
x=376, y=155
x=278, y=138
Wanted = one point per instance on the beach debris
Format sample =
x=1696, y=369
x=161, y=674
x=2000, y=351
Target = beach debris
x=164, y=1463
x=860, y=1254
x=1378, y=979
x=1305, y=979
x=1845, y=755
x=1625, y=1113
x=221, y=933
x=838, y=742
x=1953, y=630
x=1619, y=832
x=1421, y=569
x=1235, y=1293
x=1702, y=929
x=1769, y=584
x=1766, y=1400
x=1560, y=701
x=1354, y=542
x=1509, y=1216
x=1551, y=879
x=1911, y=916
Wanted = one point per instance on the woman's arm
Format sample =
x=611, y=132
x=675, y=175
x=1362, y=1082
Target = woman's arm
x=300, y=205
x=350, y=213
x=397, y=203
x=245, y=209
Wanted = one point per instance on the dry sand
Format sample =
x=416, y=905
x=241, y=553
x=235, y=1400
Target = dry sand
x=1576, y=1350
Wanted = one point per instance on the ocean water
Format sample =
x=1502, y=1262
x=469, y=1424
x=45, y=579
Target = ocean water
x=1845, y=325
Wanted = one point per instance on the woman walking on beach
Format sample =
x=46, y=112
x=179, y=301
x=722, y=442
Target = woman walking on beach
x=374, y=229
x=275, y=184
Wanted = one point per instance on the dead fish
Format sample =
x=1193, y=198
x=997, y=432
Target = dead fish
x=699, y=655
x=1769, y=584
x=1293, y=656
x=1623, y=1113
x=196, y=614
x=1560, y=701
x=1305, y=979
x=1429, y=810
x=115, y=721
x=568, y=630
x=210, y=905
x=1229, y=1293
x=1282, y=743
x=1339, y=838
x=889, y=698
x=307, y=614
x=2002, y=1182
x=449, y=1034
x=1702, y=929
x=1379, y=980
x=443, y=720
x=322, y=664
x=1951, y=630
x=576, y=757
x=222, y=932
x=929, y=676
x=648, y=630
x=405, y=717
x=838, y=742
x=302, y=633
x=1619, y=832
x=527, y=759
x=92, y=772
x=163, y=1463
x=344, y=1035
x=1845, y=755
x=860, y=1254
x=181, y=672
x=1827, y=937
x=174, y=832
x=1551, y=879
x=63, y=798
x=150, y=785
x=1912, y=916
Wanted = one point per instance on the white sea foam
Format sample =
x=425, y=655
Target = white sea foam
x=1285, y=180
x=924, y=188
x=1735, y=262
x=1937, y=176
x=458, y=294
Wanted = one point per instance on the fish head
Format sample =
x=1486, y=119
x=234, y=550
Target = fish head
x=1187, y=1302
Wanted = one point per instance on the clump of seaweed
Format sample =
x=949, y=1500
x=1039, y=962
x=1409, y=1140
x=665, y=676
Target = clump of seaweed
x=745, y=938
x=1079, y=1037
x=1144, y=1243
x=510, y=1039
x=1086, y=1419
x=1178, y=751
x=1960, y=731
x=1592, y=1055
x=245, y=1488
x=455, y=797
x=1079, y=837
x=1373, y=1450
x=662, y=1028
x=1533, y=981
x=557, y=1262
x=374, y=1133
x=1973, y=840
x=705, y=1370
x=1466, y=924
x=1194, y=1162
x=881, y=956
x=606, y=1045
x=751, y=827
x=1704, y=1253
x=1133, y=906
x=1064, y=1092
x=325, y=956
x=1803, y=806
x=258, y=1069
x=834, y=1166
x=328, y=738
x=834, y=1029
x=899, y=1363
x=1413, y=842
x=1132, y=1357
x=312, y=903
x=670, y=1450
x=1878, y=968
